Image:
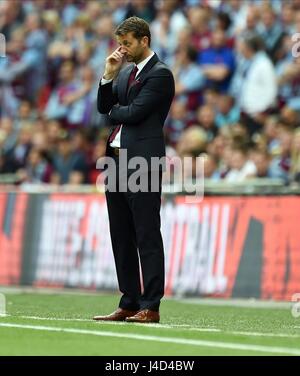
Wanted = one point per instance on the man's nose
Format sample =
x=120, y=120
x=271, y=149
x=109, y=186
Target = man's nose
x=123, y=50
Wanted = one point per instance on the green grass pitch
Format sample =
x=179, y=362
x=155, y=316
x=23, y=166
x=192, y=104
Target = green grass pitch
x=60, y=324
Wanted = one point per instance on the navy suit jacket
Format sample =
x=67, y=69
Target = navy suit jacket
x=142, y=109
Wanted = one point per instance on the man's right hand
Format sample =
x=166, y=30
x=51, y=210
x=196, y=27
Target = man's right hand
x=114, y=63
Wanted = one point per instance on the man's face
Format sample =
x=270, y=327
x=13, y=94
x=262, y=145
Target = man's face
x=64, y=148
x=66, y=72
x=218, y=39
x=262, y=164
x=132, y=48
x=238, y=159
x=244, y=50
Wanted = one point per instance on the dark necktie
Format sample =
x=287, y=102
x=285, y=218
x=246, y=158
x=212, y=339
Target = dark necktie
x=132, y=76
x=130, y=81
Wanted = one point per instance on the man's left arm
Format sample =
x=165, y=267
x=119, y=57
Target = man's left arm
x=155, y=91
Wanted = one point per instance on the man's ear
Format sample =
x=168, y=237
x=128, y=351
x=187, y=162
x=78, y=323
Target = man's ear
x=145, y=41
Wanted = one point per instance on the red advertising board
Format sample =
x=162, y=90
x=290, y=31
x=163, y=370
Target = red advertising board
x=222, y=246
x=12, y=221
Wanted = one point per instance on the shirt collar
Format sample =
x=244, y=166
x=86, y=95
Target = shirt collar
x=141, y=65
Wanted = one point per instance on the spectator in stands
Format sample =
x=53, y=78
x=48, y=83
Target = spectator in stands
x=295, y=160
x=261, y=159
x=223, y=22
x=280, y=165
x=105, y=43
x=25, y=68
x=66, y=161
x=36, y=170
x=227, y=112
x=287, y=18
x=225, y=161
x=206, y=119
x=259, y=88
x=218, y=62
x=99, y=151
x=51, y=22
x=54, y=132
x=238, y=10
x=80, y=100
x=193, y=141
x=12, y=83
x=178, y=19
x=56, y=53
x=189, y=79
x=163, y=40
x=210, y=97
x=289, y=116
x=177, y=122
x=59, y=106
x=94, y=9
x=69, y=12
x=210, y=166
x=270, y=132
x=141, y=8
x=252, y=20
x=26, y=114
x=270, y=30
x=241, y=167
x=8, y=135
x=11, y=17
x=34, y=58
x=200, y=34
x=289, y=83
x=40, y=142
x=15, y=158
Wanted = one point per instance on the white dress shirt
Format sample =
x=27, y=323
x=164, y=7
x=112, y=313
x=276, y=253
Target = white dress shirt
x=117, y=141
x=236, y=176
x=259, y=89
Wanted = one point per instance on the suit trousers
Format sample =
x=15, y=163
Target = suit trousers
x=134, y=220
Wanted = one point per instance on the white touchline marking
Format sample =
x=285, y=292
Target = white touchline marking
x=52, y=318
x=261, y=334
x=191, y=328
x=167, y=326
x=243, y=303
x=251, y=334
x=181, y=341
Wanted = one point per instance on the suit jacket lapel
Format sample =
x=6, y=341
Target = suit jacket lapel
x=140, y=77
x=122, y=84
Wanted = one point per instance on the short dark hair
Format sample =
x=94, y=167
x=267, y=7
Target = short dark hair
x=135, y=25
x=192, y=53
x=254, y=42
x=224, y=20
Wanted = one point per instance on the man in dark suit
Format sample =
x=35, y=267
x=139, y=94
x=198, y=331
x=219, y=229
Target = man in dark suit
x=137, y=98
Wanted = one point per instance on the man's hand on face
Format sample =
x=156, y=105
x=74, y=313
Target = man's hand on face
x=114, y=63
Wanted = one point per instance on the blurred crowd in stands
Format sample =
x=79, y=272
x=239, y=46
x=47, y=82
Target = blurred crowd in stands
x=237, y=98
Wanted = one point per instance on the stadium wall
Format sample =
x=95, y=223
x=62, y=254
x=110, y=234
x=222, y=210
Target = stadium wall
x=241, y=247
